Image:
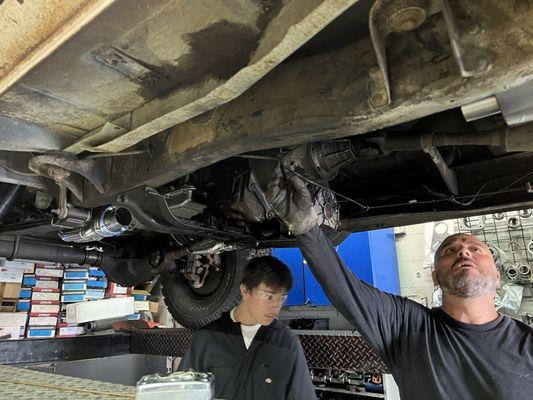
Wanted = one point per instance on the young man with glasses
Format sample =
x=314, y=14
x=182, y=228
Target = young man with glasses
x=253, y=355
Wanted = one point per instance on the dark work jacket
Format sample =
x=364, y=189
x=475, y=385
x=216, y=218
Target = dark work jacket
x=431, y=355
x=273, y=367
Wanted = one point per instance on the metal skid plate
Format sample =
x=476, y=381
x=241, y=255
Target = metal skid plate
x=323, y=349
x=163, y=342
x=343, y=350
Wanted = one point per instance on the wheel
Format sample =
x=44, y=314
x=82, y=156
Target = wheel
x=196, y=307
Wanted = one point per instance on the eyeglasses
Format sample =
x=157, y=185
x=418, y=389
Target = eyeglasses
x=270, y=297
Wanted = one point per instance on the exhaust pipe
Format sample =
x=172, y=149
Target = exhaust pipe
x=112, y=222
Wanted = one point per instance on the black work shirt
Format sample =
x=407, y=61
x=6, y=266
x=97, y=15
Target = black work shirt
x=430, y=354
x=272, y=368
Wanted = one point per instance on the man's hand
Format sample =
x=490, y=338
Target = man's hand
x=289, y=197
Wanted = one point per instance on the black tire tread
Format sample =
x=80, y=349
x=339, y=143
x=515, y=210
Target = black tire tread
x=238, y=260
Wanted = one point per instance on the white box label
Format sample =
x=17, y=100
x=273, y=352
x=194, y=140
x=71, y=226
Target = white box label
x=45, y=308
x=11, y=275
x=45, y=296
x=95, y=310
x=57, y=273
x=14, y=331
x=47, y=284
x=71, y=330
x=43, y=321
x=142, y=306
x=13, y=319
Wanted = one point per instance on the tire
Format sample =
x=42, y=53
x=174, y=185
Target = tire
x=195, y=308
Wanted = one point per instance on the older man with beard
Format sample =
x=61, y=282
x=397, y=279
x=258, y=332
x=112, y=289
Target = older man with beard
x=462, y=351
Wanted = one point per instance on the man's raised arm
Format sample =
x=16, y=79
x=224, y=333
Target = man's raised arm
x=380, y=317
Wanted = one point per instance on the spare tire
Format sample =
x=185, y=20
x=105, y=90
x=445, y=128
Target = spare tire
x=196, y=307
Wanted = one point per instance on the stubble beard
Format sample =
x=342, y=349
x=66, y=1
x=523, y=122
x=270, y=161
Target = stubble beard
x=465, y=286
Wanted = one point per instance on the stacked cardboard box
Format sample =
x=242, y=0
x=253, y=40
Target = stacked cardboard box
x=117, y=302
x=31, y=281
x=9, y=293
x=44, y=301
x=114, y=290
x=28, y=283
x=11, y=273
x=142, y=305
x=42, y=293
x=74, y=286
x=80, y=284
x=73, y=290
x=12, y=325
x=96, y=284
x=99, y=309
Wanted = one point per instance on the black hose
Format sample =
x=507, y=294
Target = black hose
x=8, y=199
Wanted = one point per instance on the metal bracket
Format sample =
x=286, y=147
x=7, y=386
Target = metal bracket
x=59, y=175
x=449, y=176
x=464, y=36
x=388, y=16
x=60, y=167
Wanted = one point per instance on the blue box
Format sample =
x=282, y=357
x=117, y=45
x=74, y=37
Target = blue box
x=25, y=293
x=76, y=273
x=41, y=332
x=95, y=294
x=140, y=297
x=134, y=317
x=96, y=272
x=74, y=297
x=28, y=280
x=23, y=305
x=74, y=285
x=96, y=284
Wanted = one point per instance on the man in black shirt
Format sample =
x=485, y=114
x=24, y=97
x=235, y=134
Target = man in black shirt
x=464, y=350
x=253, y=355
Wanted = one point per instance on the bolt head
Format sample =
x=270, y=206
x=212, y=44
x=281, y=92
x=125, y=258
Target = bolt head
x=407, y=19
x=473, y=29
x=378, y=100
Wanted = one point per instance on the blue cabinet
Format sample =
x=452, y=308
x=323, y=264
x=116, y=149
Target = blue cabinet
x=370, y=255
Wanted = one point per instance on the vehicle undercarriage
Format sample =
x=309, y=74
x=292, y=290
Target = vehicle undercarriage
x=146, y=146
